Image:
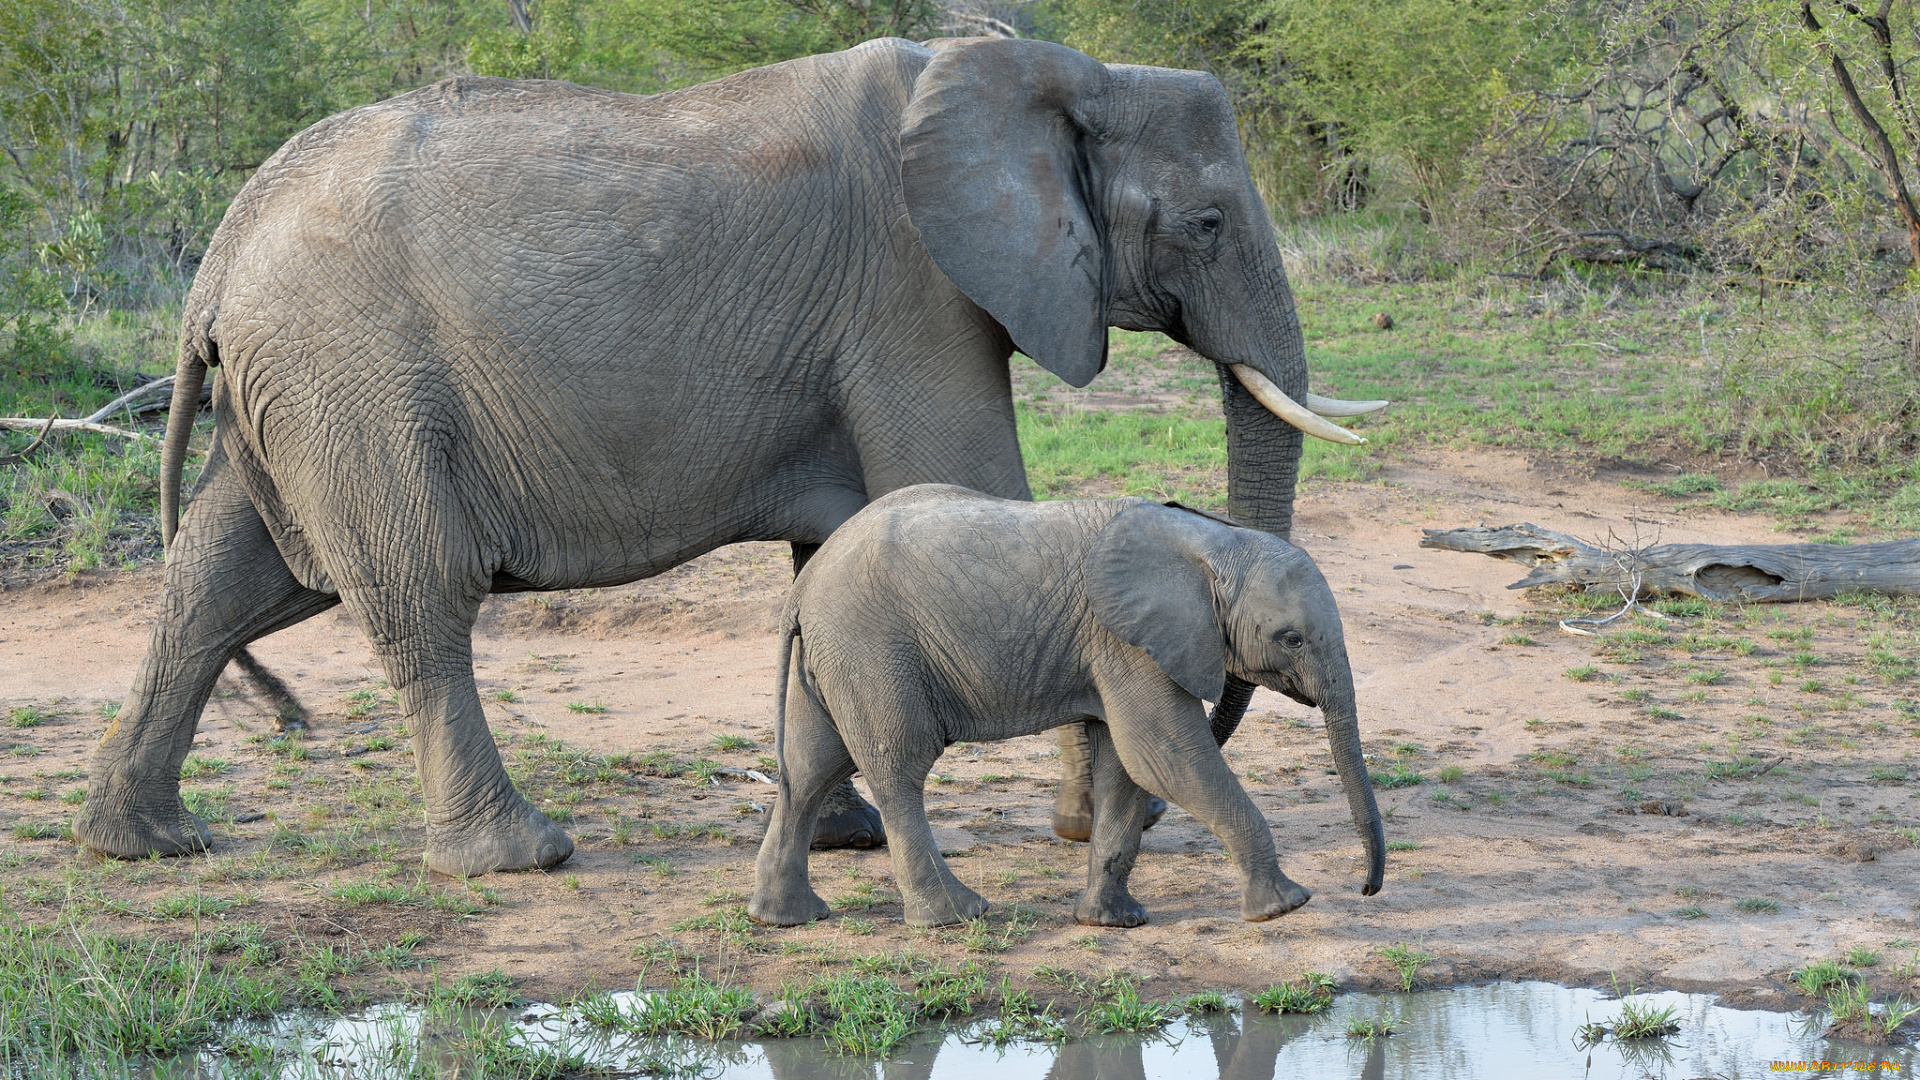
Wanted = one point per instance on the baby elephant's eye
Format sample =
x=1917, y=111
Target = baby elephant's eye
x=1293, y=639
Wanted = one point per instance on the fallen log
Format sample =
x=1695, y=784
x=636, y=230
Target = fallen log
x=1763, y=573
x=150, y=397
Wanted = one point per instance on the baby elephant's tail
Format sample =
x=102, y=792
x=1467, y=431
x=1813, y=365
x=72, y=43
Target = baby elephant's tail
x=789, y=631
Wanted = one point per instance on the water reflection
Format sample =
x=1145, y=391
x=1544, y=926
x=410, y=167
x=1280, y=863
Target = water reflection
x=1500, y=1030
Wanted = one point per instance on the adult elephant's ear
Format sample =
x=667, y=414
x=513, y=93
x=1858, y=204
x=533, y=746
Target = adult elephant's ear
x=994, y=160
x=1150, y=582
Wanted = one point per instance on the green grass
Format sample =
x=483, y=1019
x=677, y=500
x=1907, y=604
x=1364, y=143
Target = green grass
x=1206, y=1003
x=1861, y=956
x=189, y=906
x=67, y=994
x=1851, y=1015
x=416, y=893
x=26, y=716
x=1021, y=1019
x=1310, y=993
x=197, y=767
x=1757, y=905
x=1822, y=977
x=586, y=707
x=693, y=1005
x=88, y=503
x=855, y=1015
x=1397, y=775
x=1406, y=960
x=1122, y=1010
x=1641, y=1020
x=1371, y=1027
x=732, y=742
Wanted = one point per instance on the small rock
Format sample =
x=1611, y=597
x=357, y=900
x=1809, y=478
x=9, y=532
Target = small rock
x=1857, y=849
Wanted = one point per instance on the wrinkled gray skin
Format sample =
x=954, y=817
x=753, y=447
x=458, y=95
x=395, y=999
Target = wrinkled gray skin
x=940, y=615
x=495, y=335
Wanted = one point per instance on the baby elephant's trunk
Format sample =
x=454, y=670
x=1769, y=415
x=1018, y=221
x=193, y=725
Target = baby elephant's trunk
x=1343, y=738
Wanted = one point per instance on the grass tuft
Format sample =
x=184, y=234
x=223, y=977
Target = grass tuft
x=1312, y=992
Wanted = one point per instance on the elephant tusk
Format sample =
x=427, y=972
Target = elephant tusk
x=1284, y=407
x=1326, y=406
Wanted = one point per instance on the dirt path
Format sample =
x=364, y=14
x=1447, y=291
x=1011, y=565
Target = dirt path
x=1535, y=859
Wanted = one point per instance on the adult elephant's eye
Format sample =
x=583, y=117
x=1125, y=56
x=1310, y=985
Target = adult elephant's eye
x=1293, y=639
x=1209, y=224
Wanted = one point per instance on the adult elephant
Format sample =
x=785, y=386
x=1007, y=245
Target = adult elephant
x=495, y=335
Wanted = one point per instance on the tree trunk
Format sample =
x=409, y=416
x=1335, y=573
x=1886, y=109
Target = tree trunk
x=1772, y=573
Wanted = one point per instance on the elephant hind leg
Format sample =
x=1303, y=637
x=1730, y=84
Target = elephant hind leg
x=413, y=575
x=1119, y=813
x=845, y=819
x=226, y=585
x=814, y=765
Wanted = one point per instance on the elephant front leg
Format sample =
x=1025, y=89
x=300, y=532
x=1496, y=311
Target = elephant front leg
x=1162, y=737
x=1119, y=809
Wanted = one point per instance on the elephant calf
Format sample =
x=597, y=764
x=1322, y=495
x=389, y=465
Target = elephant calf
x=938, y=615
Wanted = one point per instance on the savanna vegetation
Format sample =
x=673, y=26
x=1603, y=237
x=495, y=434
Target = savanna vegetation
x=1677, y=233
x=1700, y=209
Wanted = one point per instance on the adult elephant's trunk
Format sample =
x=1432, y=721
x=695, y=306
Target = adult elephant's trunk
x=1263, y=462
x=1343, y=738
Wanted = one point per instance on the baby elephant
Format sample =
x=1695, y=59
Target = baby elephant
x=939, y=615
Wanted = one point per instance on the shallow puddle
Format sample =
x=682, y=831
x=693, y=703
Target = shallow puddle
x=1498, y=1030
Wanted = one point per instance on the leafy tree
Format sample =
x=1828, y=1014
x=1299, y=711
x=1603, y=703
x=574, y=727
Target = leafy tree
x=1416, y=83
x=33, y=339
x=700, y=39
x=543, y=43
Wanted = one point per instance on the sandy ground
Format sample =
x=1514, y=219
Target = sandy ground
x=1585, y=837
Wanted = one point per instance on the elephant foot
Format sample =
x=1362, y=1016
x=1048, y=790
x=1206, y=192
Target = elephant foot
x=787, y=909
x=1268, y=898
x=1073, y=813
x=1110, y=908
x=954, y=904
x=138, y=834
x=525, y=840
x=847, y=821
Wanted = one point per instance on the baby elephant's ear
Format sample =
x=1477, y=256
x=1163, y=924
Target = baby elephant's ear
x=1150, y=582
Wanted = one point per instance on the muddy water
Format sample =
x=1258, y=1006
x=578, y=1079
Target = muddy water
x=1499, y=1030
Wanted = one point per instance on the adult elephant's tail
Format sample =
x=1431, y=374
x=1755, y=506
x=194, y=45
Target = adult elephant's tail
x=190, y=374
x=197, y=353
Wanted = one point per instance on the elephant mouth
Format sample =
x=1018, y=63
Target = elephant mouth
x=1309, y=418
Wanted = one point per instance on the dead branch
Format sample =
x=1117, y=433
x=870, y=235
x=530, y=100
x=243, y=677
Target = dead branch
x=150, y=392
x=39, y=441
x=150, y=397
x=28, y=423
x=1760, y=573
